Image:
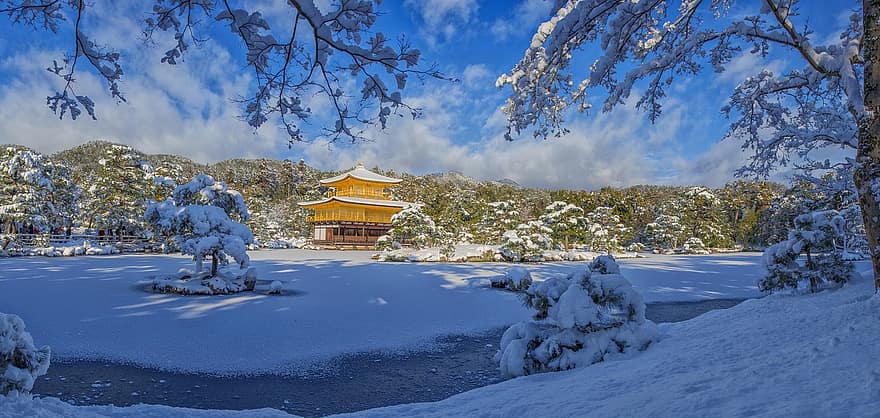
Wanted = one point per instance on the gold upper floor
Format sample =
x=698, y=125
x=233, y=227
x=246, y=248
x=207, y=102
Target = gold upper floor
x=351, y=187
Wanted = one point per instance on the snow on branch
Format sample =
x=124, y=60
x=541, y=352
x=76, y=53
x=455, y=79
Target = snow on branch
x=42, y=14
x=323, y=55
x=652, y=42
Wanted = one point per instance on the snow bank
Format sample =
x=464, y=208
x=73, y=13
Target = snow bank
x=68, y=250
x=483, y=253
x=813, y=355
x=278, y=244
x=514, y=278
x=226, y=282
x=27, y=406
x=463, y=253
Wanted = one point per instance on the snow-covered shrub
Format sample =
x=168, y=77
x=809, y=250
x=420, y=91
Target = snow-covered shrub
x=446, y=242
x=635, y=247
x=384, y=243
x=584, y=318
x=814, y=235
x=526, y=243
x=516, y=279
x=277, y=244
x=198, y=218
x=276, y=288
x=187, y=282
x=694, y=245
x=21, y=363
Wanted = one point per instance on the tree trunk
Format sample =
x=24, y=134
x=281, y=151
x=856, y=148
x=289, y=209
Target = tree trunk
x=867, y=175
x=810, y=270
x=215, y=259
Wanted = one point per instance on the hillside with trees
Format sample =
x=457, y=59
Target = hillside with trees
x=110, y=185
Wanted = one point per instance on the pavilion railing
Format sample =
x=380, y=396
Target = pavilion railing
x=123, y=242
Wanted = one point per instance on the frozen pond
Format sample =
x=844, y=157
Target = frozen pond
x=348, y=383
x=348, y=334
x=336, y=303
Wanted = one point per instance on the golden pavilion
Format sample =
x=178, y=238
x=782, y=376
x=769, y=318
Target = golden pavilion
x=356, y=211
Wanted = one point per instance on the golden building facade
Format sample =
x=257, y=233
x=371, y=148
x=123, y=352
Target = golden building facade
x=356, y=211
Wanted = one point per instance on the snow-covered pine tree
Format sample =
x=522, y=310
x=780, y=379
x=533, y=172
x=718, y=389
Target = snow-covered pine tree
x=21, y=363
x=853, y=244
x=498, y=218
x=198, y=215
x=412, y=226
x=66, y=199
x=832, y=100
x=836, y=190
x=27, y=183
x=694, y=245
x=527, y=242
x=775, y=223
x=814, y=235
x=446, y=240
x=166, y=177
x=566, y=222
x=587, y=317
x=604, y=230
x=702, y=217
x=456, y=214
x=742, y=203
x=665, y=232
x=120, y=192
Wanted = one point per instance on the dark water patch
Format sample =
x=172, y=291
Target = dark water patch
x=682, y=311
x=349, y=383
x=352, y=383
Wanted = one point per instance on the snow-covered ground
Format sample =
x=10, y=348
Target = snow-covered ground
x=336, y=302
x=793, y=356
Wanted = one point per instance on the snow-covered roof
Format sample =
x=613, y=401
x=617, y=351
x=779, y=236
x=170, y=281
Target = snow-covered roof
x=359, y=201
x=362, y=173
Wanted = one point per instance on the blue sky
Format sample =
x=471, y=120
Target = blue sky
x=186, y=109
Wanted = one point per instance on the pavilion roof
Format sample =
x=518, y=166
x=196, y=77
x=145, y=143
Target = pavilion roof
x=358, y=201
x=362, y=173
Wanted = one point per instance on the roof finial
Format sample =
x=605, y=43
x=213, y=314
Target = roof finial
x=360, y=164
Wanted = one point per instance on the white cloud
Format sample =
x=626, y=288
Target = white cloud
x=620, y=148
x=523, y=20
x=477, y=76
x=183, y=109
x=747, y=65
x=436, y=12
x=443, y=19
